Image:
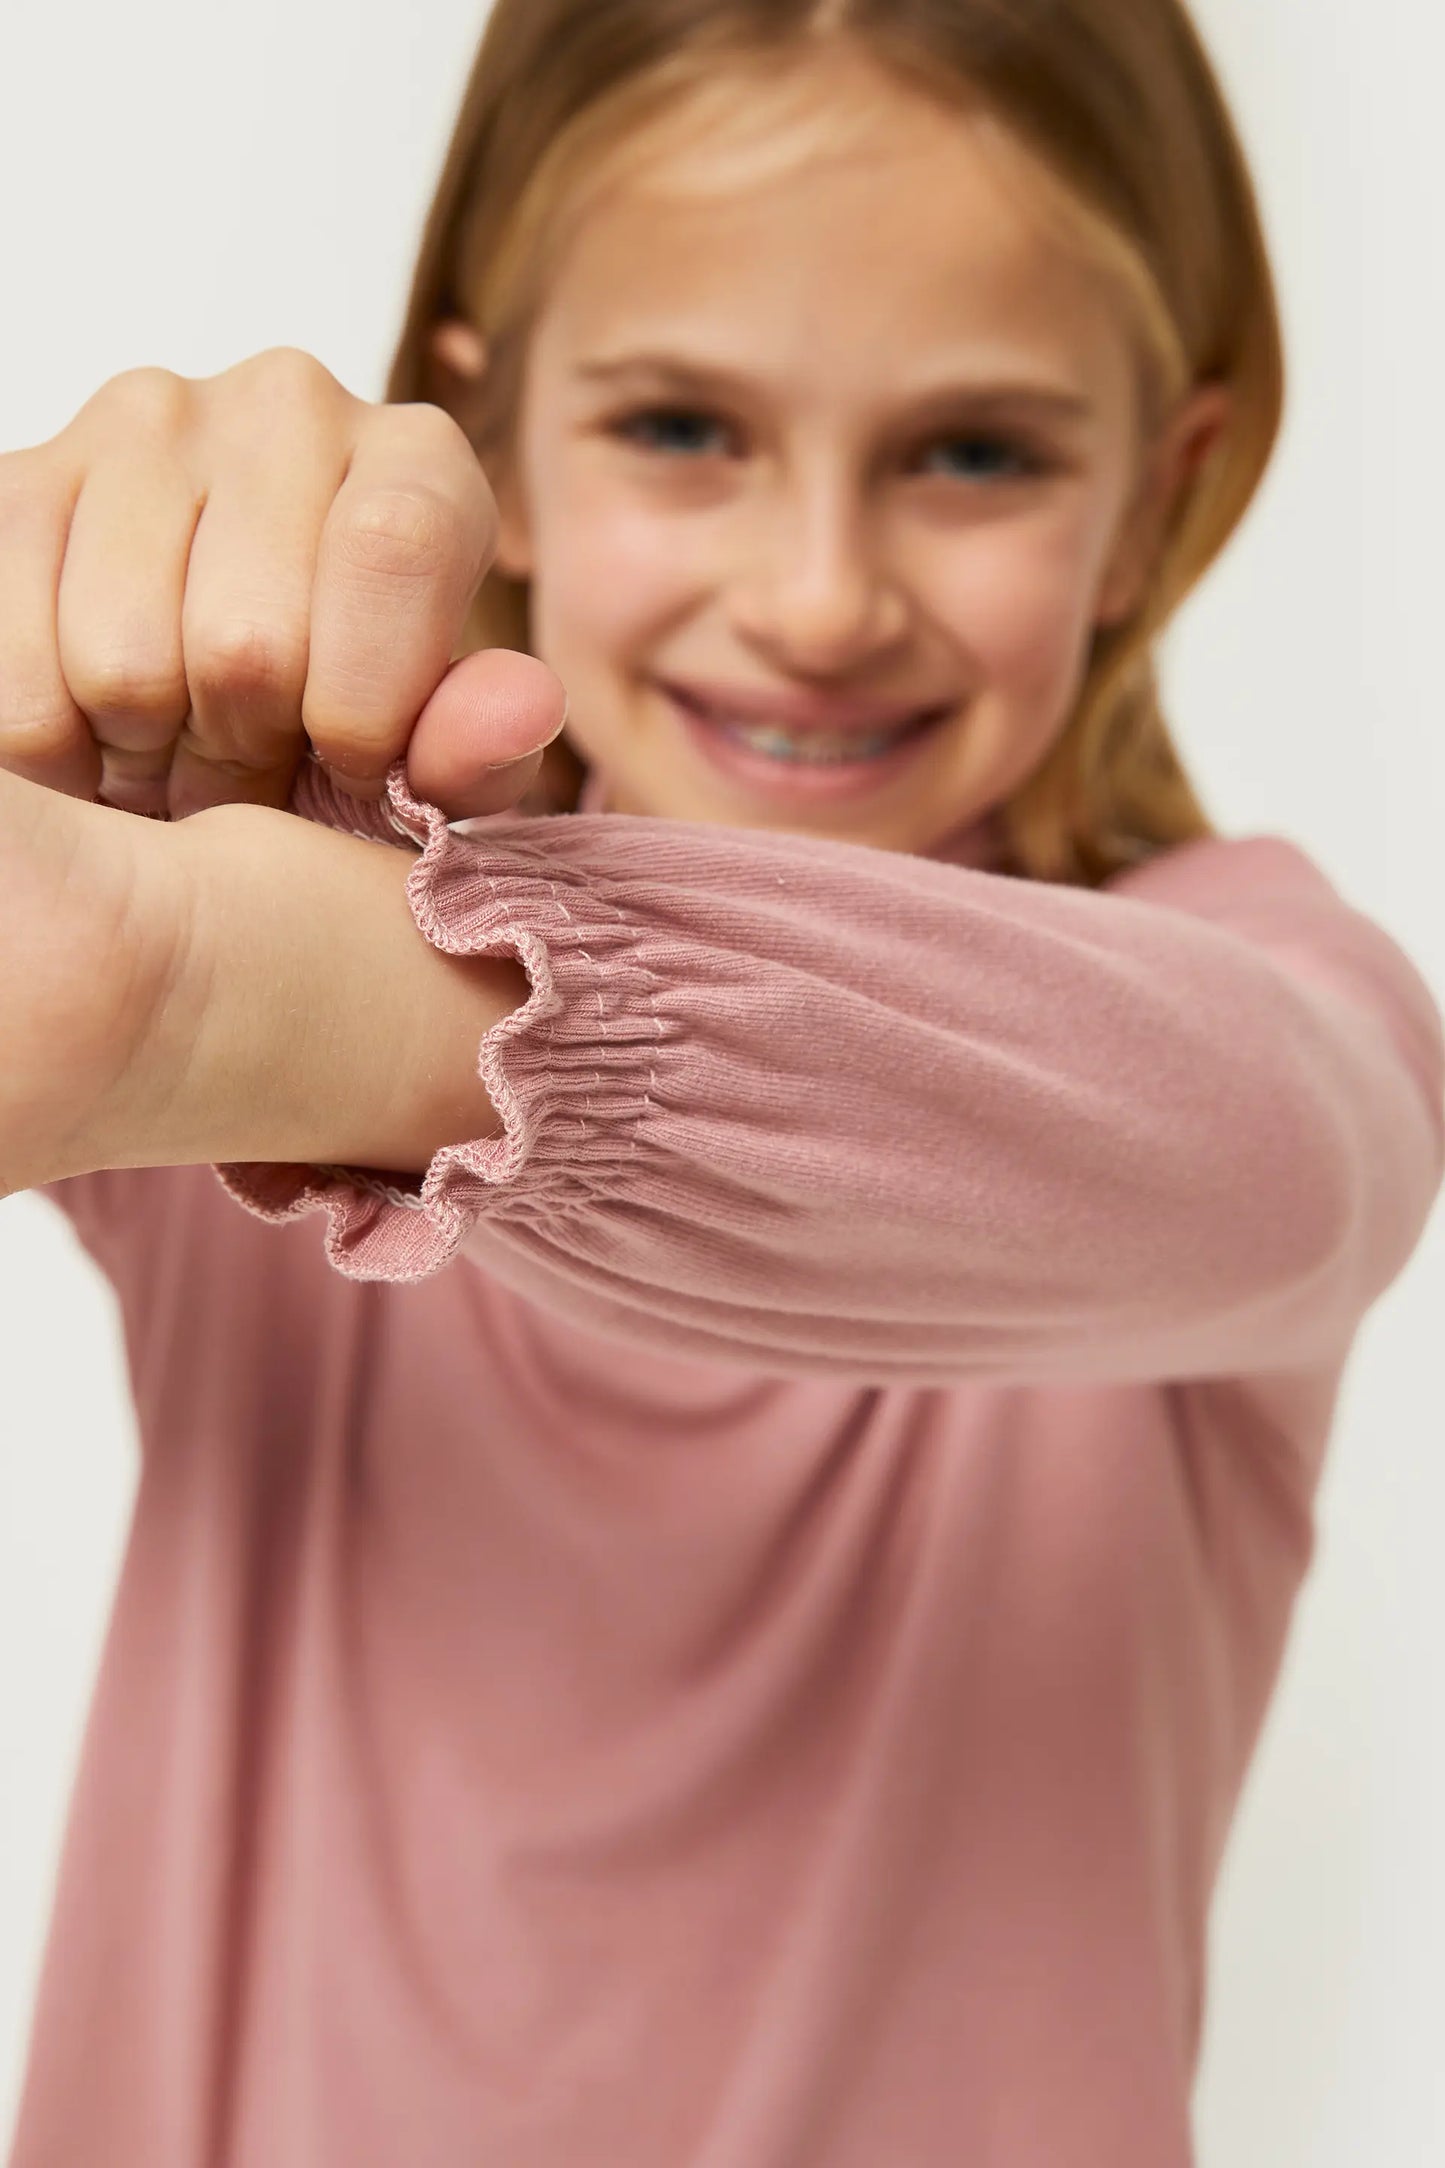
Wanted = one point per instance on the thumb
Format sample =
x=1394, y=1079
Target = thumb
x=494, y=707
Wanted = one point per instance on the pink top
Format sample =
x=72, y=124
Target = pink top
x=724, y=1628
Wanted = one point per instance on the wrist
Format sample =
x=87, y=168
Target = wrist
x=92, y=930
x=310, y=1018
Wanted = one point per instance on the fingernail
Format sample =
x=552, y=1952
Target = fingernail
x=501, y=767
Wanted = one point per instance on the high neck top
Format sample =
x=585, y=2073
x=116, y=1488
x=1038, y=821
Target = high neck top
x=723, y=1627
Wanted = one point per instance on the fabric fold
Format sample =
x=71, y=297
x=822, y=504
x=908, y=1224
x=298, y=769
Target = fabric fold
x=796, y=1103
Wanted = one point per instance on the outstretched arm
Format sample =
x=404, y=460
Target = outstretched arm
x=821, y=1109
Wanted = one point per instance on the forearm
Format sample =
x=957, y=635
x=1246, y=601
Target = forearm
x=311, y=1020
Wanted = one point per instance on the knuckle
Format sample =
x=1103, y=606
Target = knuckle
x=405, y=531
x=436, y=430
x=291, y=368
x=243, y=656
x=282, y=388
x=425, y=420
x=121, y=681
x=153, y=400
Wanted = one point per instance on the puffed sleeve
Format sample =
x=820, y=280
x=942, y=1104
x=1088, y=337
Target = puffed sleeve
x=819, y=1108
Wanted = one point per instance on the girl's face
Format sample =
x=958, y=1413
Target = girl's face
x=842, y=426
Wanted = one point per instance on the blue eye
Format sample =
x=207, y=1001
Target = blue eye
x=676, y=428
x=635, y=427
x=1019, y=459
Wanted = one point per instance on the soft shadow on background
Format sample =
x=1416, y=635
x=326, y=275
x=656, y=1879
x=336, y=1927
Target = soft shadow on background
x=185, y=192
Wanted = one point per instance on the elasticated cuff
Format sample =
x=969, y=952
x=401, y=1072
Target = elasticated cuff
x=569, y=1071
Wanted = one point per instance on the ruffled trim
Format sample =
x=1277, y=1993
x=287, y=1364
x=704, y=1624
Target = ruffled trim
x=406, y=1227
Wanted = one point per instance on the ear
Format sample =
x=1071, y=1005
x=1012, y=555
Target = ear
x=1179, y=449
x=455, y=375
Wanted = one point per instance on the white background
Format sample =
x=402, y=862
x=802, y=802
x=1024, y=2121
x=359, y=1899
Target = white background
x=186, y=186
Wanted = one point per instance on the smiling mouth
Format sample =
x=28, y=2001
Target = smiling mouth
x=811, y=747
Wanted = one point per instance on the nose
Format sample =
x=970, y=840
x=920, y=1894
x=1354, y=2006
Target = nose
x=812, y=594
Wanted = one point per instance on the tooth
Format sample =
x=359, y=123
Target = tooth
x=828, y=741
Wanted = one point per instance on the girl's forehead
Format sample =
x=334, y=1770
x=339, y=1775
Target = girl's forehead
x=873, y=233
x=739, y=122
x=721, y=148
x=723, y=134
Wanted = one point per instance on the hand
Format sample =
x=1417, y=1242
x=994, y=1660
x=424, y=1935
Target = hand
x=93, y=935
x=200, y=574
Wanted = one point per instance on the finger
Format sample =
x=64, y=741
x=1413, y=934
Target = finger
x=118, y=615
x=408, y=538
x=495, y=706
x=245, y=627
x=44, y=737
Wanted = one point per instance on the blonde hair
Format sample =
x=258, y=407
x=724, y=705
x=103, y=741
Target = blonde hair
x=1121, y=109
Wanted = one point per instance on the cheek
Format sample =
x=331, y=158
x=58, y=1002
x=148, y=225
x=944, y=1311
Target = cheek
x=1016, y=598
x=608, y=569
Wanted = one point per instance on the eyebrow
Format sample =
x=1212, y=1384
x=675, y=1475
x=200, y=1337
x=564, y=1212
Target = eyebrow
x=982, y=395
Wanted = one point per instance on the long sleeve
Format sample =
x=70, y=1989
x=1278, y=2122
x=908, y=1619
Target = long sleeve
x=817, y=1108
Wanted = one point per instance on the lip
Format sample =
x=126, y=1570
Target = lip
x=802, y=785
x=798, y=711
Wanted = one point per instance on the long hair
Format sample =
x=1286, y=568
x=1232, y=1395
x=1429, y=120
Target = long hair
x=1123, y=113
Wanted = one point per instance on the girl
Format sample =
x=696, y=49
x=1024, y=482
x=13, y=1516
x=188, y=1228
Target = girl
x=718, y=1618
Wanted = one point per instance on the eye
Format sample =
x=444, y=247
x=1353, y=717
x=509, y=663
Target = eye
x=638, y=426
x=993, y=458
x=987, y=457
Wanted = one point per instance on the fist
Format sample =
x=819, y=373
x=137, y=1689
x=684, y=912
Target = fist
x=202, y=575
